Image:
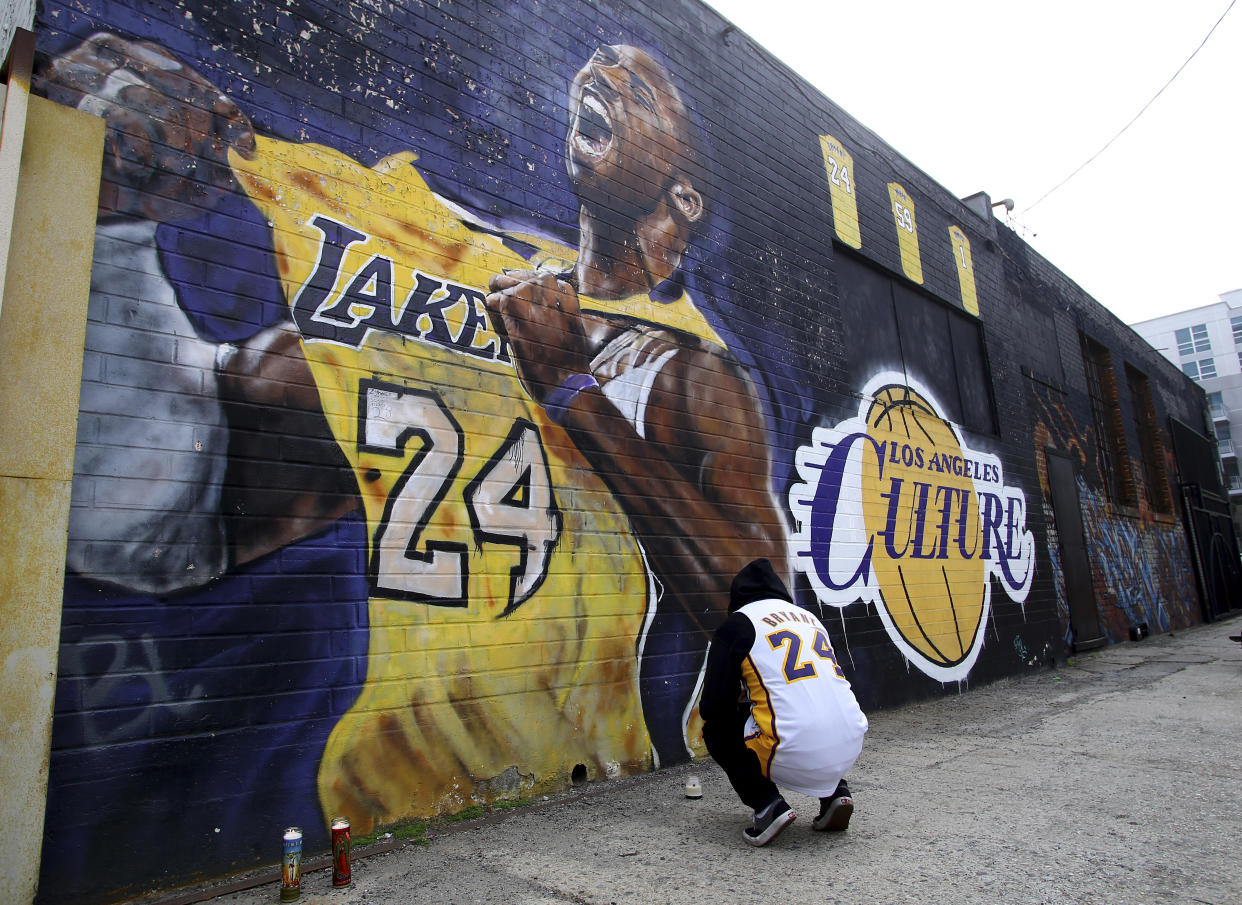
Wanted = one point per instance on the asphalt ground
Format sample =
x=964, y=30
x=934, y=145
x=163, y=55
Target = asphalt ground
x=1113, y=779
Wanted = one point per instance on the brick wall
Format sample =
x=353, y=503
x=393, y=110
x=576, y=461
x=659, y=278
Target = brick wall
x=340, y=545
x=1141, y=562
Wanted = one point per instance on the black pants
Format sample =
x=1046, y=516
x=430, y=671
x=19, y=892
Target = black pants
x=724, y=743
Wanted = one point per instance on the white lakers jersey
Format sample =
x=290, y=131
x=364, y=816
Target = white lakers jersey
x=805, y=724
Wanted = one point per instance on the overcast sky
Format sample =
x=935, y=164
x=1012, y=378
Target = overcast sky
x=1010, y=98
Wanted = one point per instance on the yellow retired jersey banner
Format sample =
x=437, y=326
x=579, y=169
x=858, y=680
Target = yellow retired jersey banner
x=965, y=269
x=840, y=167
x=507, y=588
x=907, y=232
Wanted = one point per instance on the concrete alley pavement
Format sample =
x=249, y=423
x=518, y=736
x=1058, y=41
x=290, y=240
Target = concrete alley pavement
x=1114, y=779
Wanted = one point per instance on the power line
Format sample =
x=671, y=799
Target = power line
x=1137, y=115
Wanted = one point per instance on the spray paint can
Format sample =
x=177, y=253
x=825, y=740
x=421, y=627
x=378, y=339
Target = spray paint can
x=340, y=852
x=291, y=865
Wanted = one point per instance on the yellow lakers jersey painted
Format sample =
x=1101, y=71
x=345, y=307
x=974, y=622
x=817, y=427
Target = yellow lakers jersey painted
x=507, y=588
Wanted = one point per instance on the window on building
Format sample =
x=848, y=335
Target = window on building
x=1224, y=438
x=890, y=325
x=1110, y=445
x=1233, y=480
x=1236, y=323
x=1151, y=448
x=1193, y=339
x=1204, y=367
x=1217, y=404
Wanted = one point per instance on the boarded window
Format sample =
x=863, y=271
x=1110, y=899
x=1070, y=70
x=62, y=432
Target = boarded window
x=892, y=326
x=1111, y=458
x=1151, y=449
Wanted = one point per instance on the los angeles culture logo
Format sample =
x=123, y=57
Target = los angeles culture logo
x=896, y=510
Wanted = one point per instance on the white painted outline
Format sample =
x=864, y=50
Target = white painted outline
x=850, y=528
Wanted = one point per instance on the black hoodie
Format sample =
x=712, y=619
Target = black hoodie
x=733, y=641
x=756, y=581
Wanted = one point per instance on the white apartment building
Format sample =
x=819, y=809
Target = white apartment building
x=1206, y=343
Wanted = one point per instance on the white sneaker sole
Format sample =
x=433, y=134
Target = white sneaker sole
x=773, y=830
x=837, y=816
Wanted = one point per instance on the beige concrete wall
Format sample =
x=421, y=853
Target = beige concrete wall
x=42, y=324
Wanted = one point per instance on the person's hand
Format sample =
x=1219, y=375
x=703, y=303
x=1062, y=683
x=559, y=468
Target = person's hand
x=540, y=319
x=169, y=130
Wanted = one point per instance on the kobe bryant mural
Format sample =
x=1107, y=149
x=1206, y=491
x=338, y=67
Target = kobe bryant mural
x=894, y=509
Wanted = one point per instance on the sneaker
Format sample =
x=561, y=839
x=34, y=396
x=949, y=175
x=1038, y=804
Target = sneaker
x=768, y=823
x=835, y=811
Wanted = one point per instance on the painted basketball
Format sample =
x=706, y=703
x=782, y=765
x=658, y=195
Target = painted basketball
x=920, y=508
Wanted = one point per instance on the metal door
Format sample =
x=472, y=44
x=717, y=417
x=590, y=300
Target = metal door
x=1075, y=563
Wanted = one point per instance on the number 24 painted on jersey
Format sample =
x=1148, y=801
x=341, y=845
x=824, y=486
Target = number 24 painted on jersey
x=509, y=500
x=792, y=642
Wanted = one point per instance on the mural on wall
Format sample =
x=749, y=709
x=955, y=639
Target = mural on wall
x=1141, y=570
x=532, y=428
x=415, y=458
x=898, y=511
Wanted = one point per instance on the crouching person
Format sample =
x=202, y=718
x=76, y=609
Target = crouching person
x=776, y=708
